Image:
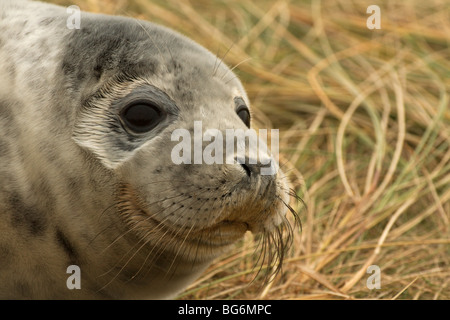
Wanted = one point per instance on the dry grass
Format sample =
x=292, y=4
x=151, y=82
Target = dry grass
x=364, y=120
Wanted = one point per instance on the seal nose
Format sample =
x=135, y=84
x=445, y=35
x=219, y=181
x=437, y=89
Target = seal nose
x=251, y=167
x=247, y=169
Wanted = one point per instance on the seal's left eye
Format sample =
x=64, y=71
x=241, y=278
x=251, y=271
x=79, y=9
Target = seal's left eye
x=242, y=110
x=141, y=117
x=244, y=114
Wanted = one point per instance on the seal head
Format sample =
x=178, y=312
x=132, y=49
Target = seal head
x=88, y=177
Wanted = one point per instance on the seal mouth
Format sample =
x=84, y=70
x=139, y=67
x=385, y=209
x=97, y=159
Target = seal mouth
x=221, y=234
x=274, y=238
x=141, y=221
x=225, y=232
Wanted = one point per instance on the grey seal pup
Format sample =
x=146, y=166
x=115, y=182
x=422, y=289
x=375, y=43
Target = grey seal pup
x=86, y=174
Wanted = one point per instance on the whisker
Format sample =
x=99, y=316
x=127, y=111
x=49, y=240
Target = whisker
x=153, y=42
x=148, y=239
x=135, y=226
x=148, y=255
x=119, y=203
x=228, y=81
x=221, y=60
x=235, y=66
x=215, y=61
x=179, y=248
x=175, y=236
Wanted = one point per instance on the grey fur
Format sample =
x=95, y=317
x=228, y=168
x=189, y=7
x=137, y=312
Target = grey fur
x=77, y=188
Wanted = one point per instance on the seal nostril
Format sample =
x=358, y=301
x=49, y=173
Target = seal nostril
x=247, y=169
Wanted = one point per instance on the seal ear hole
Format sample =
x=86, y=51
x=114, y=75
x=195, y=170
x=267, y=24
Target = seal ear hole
x=141, y=117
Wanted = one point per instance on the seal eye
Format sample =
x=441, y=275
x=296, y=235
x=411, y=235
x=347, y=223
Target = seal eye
x=243, y=113
x=141, y=117
x=242, y=110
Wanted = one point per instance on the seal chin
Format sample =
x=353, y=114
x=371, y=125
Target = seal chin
x=267, y=220
x=225, y=233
